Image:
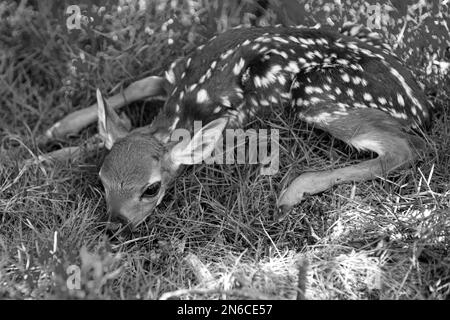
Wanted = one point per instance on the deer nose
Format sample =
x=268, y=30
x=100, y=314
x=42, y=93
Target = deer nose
x=117, y=221
x=118, y=218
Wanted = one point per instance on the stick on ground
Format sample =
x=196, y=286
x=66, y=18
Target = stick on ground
x=74, y=122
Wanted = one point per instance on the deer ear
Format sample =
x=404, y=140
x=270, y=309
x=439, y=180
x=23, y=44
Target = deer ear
x=262, y=69
x=199, y=148
x=110, y=126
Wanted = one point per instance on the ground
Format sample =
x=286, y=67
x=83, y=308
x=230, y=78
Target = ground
x=215, y=235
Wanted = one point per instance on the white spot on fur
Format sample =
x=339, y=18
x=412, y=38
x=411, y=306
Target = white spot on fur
x=170, y=76
x=281, y=80
x=323, y=117
x=350, y=92
x=239, y=66
x=367, y=142
x=309, y=55
x=359, y=105
x=382, y=100
x=257, y=81
x=225, y=55
x=311, y=90
x=225, y=101
x=345, y=77
x=292, y=67
x=302, y=61
x=400, y=100
x=263, y=49
x=367, y=96
x=174, y=125
x=293, y=39
x=202, y=96
x=399, y=115
x=407, y=88
x=279, y=39
x=269, y=78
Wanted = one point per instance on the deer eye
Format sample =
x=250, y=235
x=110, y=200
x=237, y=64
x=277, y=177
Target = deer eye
x=152, y=190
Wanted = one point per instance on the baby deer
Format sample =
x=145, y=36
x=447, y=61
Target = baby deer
x=348, y=84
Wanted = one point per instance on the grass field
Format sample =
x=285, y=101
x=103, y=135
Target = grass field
x=215, y=234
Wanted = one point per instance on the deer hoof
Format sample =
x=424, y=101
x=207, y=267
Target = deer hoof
x=307, y=183
x=288, y=198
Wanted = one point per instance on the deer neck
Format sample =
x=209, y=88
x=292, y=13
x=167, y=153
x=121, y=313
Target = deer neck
x=167, y=121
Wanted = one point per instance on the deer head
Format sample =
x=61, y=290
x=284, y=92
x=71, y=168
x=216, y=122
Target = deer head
x=141, y=163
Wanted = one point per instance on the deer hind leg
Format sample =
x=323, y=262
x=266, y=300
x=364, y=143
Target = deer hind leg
x=367, y=129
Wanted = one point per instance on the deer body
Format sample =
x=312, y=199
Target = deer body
x=348, y=84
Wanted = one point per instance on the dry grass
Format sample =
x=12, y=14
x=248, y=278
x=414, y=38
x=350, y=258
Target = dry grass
x=215, y=234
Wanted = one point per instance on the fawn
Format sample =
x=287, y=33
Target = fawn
x=347, y=83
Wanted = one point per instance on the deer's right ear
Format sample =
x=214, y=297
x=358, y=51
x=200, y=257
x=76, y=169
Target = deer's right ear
x=199, y=148
x=110, y=126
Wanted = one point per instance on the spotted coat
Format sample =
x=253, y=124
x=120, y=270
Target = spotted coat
x=320, y=73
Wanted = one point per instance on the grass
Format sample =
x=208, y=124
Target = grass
x=215, y=234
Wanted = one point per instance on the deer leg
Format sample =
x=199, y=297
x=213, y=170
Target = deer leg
x=367, y=129
x=74, y=122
